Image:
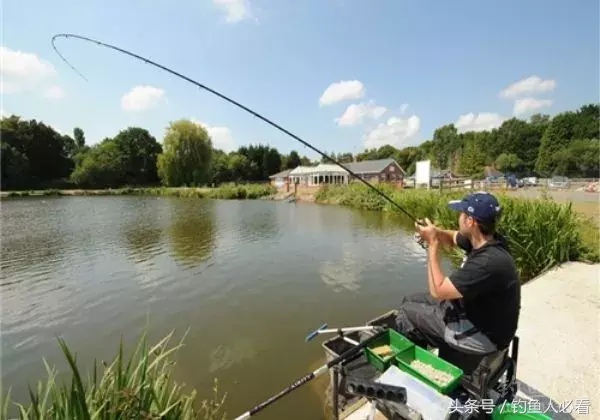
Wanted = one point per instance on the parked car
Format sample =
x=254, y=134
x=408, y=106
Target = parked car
x=559, y=182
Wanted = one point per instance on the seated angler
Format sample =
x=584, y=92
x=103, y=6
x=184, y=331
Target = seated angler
x=474, y=310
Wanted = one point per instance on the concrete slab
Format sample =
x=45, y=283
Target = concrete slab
x=559, y=352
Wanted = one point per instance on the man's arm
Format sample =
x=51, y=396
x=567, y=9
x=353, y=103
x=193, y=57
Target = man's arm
x=440, y=286
x=447, y=237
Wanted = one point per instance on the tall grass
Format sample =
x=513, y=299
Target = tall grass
x=541, y=233
x=140, y=387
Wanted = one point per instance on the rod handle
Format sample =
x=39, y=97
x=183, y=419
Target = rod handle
x=315, y=332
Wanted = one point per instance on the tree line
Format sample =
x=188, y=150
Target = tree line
x=34, y=155
x=567, y=144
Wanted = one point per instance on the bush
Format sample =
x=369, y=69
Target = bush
x=541, y=233
x=141, y=387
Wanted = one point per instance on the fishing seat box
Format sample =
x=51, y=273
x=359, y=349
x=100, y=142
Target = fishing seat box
x=336, y=346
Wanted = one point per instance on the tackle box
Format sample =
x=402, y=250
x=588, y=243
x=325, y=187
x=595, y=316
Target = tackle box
x=396, y=341
x=404, y=359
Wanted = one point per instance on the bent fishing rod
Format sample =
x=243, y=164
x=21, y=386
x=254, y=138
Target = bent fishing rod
x=226, y=98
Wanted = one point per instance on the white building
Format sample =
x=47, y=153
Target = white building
x=317, y=175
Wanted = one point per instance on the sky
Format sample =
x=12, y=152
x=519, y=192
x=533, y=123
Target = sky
x=345, y=75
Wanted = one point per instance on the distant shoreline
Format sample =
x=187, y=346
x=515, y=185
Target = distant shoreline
x=227, y=191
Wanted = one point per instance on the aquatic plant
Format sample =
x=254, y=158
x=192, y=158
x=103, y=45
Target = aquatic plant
x=139, y=387
x=541, y=233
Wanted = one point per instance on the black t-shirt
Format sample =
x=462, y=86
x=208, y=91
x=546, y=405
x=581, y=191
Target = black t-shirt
x=489, y=283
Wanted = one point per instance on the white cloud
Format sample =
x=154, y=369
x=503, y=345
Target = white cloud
x=342, y=91
x=237, y=10
x=396, y=131
x=527, y=105
x=221, y=137
x=478, y=122
x=141, y=98
x=54, y=92
x=3, y=113
x=22, y=71
x=356, y=113
x=532, y=84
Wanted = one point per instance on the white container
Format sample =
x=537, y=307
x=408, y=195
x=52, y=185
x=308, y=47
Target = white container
x=419, y=396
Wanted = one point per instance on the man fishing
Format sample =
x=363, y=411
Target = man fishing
x=475, y=309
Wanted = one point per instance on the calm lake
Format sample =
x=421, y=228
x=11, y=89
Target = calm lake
x=248, y=278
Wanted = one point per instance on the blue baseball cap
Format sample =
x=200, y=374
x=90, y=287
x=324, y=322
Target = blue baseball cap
x=481, y=206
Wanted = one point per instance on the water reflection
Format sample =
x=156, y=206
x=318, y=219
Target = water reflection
x=257, y=221
x=345, y=274
x=192, y=231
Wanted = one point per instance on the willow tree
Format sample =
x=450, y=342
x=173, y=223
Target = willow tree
x=187, y=155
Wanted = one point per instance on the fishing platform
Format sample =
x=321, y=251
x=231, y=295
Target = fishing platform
x=371, y=386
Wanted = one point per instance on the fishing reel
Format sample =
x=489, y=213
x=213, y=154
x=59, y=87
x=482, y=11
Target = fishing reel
x=420, y=240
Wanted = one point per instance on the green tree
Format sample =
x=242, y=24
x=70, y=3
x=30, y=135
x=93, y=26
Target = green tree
x=238, y=166
x=445, y=142
x=219, y=170
x=138, y=154
x=186, y=156
x=293, y=160
x=472, y=158
x=79, y=137
x=557, y=136
x=509, y=162
x=271, y=163
x=100, y=167
x=346, y=158
x=45, y=150
x=305, y=161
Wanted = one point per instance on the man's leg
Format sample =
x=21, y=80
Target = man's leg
x=421, y=319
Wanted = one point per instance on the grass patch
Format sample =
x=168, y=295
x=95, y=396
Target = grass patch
x=541, y=233
x=140, y=387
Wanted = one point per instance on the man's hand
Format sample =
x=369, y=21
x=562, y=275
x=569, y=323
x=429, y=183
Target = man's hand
x=430, y=233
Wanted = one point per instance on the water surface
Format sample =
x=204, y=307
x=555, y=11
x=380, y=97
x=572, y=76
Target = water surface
x=248, y=278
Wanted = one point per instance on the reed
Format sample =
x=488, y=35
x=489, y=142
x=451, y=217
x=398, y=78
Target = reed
x=139, y=387
x=540, y=232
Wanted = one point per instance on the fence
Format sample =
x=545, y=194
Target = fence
x=581, y=184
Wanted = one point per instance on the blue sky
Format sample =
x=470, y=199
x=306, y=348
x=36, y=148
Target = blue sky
x=343, y=74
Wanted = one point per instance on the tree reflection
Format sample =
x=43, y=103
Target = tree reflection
x=141, y=228
x=193, y=230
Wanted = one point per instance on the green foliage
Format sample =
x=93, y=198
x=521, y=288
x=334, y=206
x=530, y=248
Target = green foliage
x=473, y=156
x=100, y=167
x=32, y=152
x=79, y=137
x=187, y=155
x=138, y=152
x=263, y=161
x=140, y=387
x=561, y=132
x=445, y=143
x=292, y=161
x=508, y=162
x=36, y=156
x=540, y=233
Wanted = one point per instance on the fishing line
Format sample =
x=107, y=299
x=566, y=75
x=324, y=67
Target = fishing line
x=231, y=101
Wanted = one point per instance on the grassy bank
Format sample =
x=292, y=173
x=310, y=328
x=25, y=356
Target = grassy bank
x=226, y=191
x=541, y=232
x=139, y=387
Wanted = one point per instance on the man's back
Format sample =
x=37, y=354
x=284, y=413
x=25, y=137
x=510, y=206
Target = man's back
x=489, y=282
